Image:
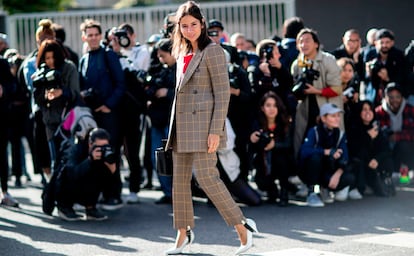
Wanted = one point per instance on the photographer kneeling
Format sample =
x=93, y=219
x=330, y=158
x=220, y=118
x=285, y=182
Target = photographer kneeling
x=86, y=169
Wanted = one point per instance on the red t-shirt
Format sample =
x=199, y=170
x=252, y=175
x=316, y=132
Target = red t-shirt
x=187, y=60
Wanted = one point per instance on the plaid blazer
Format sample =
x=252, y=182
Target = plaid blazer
x=201, y=101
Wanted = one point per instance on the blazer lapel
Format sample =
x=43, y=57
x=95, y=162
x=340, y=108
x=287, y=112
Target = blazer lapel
x=192, y=67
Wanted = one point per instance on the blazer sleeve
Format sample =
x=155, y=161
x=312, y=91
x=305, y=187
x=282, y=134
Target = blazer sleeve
x=220, y=86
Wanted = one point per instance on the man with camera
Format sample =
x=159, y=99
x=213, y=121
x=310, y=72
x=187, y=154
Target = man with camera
x=385, y=64
x=85, y=170
x=102, y=84
x=135, y=61
x=317, y=82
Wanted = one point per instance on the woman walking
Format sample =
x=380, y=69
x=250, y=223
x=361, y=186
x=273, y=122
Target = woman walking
x=197, y=127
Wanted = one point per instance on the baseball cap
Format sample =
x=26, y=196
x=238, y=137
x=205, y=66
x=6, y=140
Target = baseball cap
x=392, y=86
x=154, y=38
x=215, y=24
x=329, y=108
x=384, y=33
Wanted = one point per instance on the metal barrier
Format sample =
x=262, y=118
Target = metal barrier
x=256, y=19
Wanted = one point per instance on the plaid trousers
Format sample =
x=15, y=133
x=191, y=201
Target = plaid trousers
x=208, y=178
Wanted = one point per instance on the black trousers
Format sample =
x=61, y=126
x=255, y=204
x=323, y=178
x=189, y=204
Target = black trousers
x=130, y=132
x=278, y=166
x=403, y=154
x=318, y=170
x=365, y=176
x=41, y=146
x=81, y=184
x=4, y=165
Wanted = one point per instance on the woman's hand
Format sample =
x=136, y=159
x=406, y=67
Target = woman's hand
x=264, y=67
x=161, y=92
x=373, y=132
x=213, y=142
x=254, y=137
x=383, y=74
x=334, y=181
x=270, y=146
x=111, y=167
x=53, y=93
x=373, y=164
x=103, y=109
x=335, y=155
x=275, y=62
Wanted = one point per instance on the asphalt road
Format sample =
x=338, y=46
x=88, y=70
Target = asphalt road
x=371, y=226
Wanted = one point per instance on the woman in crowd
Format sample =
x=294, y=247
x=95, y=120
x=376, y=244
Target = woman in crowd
x=272, y=144
x=350, y=88
x=369, y=151
x=56, y=87
x=197, y=127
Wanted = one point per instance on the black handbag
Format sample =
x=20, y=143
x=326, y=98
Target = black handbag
x=163, y=161
x=384, y=185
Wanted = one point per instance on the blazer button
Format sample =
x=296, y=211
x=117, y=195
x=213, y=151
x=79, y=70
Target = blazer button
x=194, y=112
x=195, y=91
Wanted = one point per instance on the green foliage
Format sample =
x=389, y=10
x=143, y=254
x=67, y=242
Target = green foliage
x=26, y=6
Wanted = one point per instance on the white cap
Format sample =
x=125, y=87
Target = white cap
x=329, y=108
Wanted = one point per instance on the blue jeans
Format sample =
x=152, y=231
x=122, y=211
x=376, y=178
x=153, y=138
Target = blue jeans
x=157, y=134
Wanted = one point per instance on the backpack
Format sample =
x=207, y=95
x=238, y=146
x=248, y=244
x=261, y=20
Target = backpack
x=77, y=123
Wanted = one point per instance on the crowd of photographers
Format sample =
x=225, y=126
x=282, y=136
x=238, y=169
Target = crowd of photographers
x=301, y=121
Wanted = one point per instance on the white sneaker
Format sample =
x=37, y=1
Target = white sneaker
x=354, y=194
x=342, y=194
x=326, y=196
x=8, y=200
x=132, y=198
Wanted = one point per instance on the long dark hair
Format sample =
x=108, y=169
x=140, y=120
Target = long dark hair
x=182, y=45
x=282, y=118
x=50, y=45
x=359, y=108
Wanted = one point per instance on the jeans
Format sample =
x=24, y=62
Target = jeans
x=319, y=169
x=157, y=134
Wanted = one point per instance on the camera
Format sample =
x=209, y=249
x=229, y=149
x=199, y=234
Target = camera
x=47, y=78
x=264, y=139
x=213, y=33
x=307, y=76
x=376, y=65
x=233, y=71
x=123, y=38
x=349, y=93
x=141, y=76
x=120, y=34
x=108, y=154
x=267, y=51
